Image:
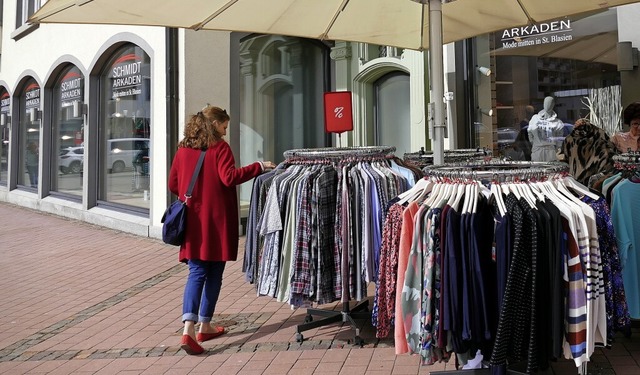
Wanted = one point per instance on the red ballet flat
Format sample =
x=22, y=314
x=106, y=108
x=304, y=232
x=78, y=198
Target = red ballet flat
x=190, y=345
x=202, y=337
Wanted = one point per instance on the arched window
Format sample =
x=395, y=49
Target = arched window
x=5, y=118
x=29, y=135
x=67, y=132
x=125, y=129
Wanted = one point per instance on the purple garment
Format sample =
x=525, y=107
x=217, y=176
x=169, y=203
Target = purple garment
x=618, y=318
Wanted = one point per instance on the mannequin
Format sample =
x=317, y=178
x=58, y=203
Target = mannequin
x=545, y=132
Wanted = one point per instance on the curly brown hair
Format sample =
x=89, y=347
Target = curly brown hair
x=200, y=132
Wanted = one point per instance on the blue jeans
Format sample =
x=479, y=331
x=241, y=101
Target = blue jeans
x=202, y=290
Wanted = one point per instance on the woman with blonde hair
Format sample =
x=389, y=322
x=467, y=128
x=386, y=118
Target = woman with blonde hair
x=211, y=237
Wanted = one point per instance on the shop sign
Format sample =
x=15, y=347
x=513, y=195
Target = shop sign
x=71, y=88
x=338, y=116
x=126, y=76
x=537, y=34
x=32, y=96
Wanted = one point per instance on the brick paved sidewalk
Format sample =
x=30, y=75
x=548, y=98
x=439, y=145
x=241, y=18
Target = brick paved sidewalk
x=81, y=299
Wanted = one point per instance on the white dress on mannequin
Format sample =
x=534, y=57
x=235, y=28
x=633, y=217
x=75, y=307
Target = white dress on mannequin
x=545, y=133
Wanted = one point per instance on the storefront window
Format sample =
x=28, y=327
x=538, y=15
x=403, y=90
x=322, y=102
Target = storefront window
x=68, y=133
x=564, y=62
x=392, y=112
x=282, y=82
x=29, y=136
x=5, y=119
x=125, y=130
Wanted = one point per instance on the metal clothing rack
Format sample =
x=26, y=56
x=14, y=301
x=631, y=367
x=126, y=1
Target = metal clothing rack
x=424, y=158
x=339, y=152
x=496, y=170
x=631, y=157
x=361, y=310
x=628, y=164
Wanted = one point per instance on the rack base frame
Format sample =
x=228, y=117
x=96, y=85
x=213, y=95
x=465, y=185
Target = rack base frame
x=346, y=315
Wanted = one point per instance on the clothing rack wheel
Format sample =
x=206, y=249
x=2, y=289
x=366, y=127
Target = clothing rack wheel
x=346, y=315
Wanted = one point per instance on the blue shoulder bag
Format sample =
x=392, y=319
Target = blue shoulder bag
x=174, y=220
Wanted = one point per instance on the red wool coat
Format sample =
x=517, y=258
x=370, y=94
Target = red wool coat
x=212, y=213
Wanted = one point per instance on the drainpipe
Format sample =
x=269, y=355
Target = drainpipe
x=171, y=41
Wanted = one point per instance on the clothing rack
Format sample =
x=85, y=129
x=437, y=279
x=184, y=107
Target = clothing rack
x=497, y=170
x=631, y=157
x=338, y=152
x=361, y=310
x=338, y=157
x=627, y=163
x=424, y=158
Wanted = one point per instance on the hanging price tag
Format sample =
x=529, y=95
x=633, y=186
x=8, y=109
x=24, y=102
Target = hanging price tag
x=338, y=116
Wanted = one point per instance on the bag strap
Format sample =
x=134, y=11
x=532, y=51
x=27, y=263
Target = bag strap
x=194, y=177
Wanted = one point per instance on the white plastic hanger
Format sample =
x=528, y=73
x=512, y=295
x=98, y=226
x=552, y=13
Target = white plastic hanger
x=497, y=194
x=514, y=189
x=535, y=189
x=445, y=193
x=459, y=193
x=475, y=190
x=527, y=194
x=467, y=198
x=414, y=191
x=421, y=197
x=572, y=183
x=564, y=191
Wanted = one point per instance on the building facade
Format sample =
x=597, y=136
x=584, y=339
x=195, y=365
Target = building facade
x=90, y=115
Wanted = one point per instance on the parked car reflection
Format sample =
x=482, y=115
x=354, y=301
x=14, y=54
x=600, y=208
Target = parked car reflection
x=71, y=159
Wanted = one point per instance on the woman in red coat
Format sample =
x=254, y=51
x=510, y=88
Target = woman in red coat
x=211, y=237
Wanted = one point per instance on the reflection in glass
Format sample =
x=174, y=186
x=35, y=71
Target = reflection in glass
x=282, y=81
x=126, y=129
x=29, y=136
x=67, y=132
x=5, y=118
x=392, y=112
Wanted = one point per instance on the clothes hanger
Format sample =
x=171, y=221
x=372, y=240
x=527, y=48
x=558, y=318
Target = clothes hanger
x=467, y=198
x=416, y=189
x=445, y=194
x=459, y=193
x=527, y=194
x=497, y=194
x=564, y=191
x=473, y=201
x=424, y=192
x=572, y=183
x=535, y=189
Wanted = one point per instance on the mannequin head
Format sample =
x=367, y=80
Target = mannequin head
x=549, y=103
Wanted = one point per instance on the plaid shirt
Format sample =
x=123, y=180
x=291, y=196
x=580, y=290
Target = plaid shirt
x=301, y=262
x=324, y=203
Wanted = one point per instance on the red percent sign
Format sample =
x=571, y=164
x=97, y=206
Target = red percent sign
x=338, y=116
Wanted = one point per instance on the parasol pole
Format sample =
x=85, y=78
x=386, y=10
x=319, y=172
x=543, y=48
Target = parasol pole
x=436, y=67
